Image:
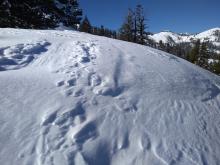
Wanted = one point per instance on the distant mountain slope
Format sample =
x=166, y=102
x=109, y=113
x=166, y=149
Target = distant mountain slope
x=70, y=98
x=212, y=35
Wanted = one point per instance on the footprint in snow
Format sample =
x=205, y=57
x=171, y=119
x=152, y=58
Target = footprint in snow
x=145, y=142
x=60, y=83
x=68, y=89
x=71, y=82
x=74, y=92
x=168, y=154
x=124, y=105
x=56, y=132
x=94, y=80
x=87, y=132
x=84, y=59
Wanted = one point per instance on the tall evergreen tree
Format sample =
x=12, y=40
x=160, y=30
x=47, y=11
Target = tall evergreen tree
x=73, y=14
x=28, y=14
x=161, y=45
x=39, y=14
x=140, y=24
x=127, y=28
x=217, y=34
x=216, y=67
x=102, y=31
x=134, y=27
x=203, y=56
x=86, y=26
x=5, y=14
x=193, y=55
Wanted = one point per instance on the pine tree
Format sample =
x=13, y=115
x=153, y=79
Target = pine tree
x=134, y=27
x=127, y=28
x=161, y=45
x=216, y=66
x=217, y=34
x=95, y=30
x=102, y=31
x=73, y=14
x=114, y=34
x=193, y=55
x=203, y=56
x=39, y=14
x=5, y=14
x=86, y=26
x=140, y=25
x=168, y=48
x=29, y=14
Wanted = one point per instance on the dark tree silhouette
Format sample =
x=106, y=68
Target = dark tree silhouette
x=86, y=26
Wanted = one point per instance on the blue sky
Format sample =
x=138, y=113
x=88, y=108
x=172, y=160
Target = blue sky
x=175, y=15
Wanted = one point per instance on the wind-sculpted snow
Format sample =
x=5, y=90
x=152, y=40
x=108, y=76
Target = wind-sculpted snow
x=20, y=55
x=88, y=100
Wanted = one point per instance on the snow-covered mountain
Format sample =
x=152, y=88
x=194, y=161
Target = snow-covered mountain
x=73, y=98
x=212, y=35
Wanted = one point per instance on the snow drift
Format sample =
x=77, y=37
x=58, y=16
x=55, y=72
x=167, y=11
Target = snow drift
x=72, y=98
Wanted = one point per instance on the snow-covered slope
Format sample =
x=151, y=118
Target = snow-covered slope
x=212, y=35
x=166, y=37
x=72, y=98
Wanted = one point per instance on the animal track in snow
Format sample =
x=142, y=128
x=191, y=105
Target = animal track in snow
x=49, y=119
x=190, y=152
x=145, y=142
x=94, y=80
x=124, y=105
x=78, y=67
x=87, y=51
x=64, y=131
x=71, y=82
x=110, y=84
x=74, y=92
x=88, y=131
x=106, y=89
x=60, y=83
x=168, y=154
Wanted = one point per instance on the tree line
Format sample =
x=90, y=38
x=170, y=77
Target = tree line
x=134, y=29
x=86, y=26
x=199, y=53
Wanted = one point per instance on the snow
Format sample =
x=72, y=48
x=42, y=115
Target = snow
x=211, y=61
x=90, y=100
x=208, y=35
x=164, y=37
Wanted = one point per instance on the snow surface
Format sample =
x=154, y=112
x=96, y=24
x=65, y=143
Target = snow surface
x=72, y=98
